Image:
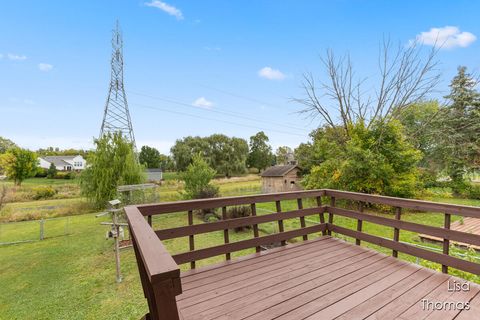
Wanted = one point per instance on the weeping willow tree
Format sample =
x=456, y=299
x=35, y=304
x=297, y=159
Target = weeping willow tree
x=112, y=164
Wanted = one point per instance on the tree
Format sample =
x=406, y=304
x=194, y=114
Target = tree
x=366, y=162
x=405, y=77
x=149, y=157
x=112, y=164
x=166, y=163
x=224, y=154
x=459, y=128
x=260, y=155
x=284, y=155
x=197, y=178
x=52, y=171
x=228, y=156
x=6, y=144
x=184, y=149
x=19, y=164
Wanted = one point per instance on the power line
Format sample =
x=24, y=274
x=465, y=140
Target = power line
x=217, y=120
x=224, y=112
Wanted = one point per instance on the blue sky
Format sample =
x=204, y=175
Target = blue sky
x=199, y=67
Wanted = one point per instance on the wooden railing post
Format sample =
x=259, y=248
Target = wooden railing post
x=396, y=231
x=302, y=218
x=225, y=231
x=359, y=222
x=255, y=226
x=446, y=242
x=330, y=215
x=321, y=215
x=191, y=239
x=280, y=222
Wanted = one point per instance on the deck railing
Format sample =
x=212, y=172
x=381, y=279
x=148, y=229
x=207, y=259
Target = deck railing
x=160, y=272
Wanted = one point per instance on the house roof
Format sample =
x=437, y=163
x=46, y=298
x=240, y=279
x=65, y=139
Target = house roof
x=59, y=160
x=278, y=171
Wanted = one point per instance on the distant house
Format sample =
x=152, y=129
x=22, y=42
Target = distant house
x=63, y=163
x=281, y=178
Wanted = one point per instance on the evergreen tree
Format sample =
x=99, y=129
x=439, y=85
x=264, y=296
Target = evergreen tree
x=459, y=128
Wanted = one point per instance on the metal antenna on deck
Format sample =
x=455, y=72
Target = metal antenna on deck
x=116, y=116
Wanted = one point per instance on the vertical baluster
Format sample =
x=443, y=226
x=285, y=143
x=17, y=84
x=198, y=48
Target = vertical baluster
x=330, y=215
x=255, y=226
x=149, y=219
x=321, y=215
x=225, y=231
x=446, y=242
x=359, y=222
x=191, y=239
x=302, y=218
x=396, y=231
x=280, y=222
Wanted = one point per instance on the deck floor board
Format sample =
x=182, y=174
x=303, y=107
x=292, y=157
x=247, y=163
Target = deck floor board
x=324, y=278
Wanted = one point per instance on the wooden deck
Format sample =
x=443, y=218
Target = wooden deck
x=467, y=225
x=318, y=278
x=324, y=278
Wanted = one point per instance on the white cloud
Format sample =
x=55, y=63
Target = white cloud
x=446, y=37
x=212, y=48
x=202, y=103
x=171, y=10
x=271, y=74
x=45, y=67
x=16, y=57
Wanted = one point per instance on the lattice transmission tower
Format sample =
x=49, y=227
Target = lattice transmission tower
x=116, y=116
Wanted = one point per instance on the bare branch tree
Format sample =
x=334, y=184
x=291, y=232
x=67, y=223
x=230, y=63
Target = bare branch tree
x=406, y=76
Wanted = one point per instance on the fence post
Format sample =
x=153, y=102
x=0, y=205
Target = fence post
x=225, y=232
x=359, y=222
x=191, y=239
x=321, y=216
x=446, y=242
x=42, y=229
x=302, y=218
x=253, y=207
x=396, y=231
x=280, y=222
x=330, y=215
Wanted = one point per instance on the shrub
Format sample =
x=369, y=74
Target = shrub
x=44, y=192
x=239, y=212
x=197, y=177
x=473, y=192
x=41, y=173
x=209, y=191
x=52, y=171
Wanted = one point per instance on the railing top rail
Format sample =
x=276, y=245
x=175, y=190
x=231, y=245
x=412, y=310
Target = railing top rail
x=176, y=206
x=158, y=262
x=420, y=205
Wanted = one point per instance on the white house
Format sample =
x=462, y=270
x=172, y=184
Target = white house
x=63, y=163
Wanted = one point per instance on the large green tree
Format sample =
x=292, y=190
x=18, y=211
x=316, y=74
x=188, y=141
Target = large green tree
x=260, y=155
x=19, y=164
x=459, y=128
x=226, y=155
x=113, y=164
x=149, y=157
